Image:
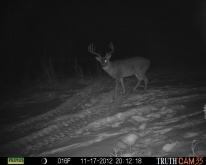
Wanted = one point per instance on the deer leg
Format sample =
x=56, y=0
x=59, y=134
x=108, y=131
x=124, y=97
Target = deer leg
x=139, y=81
x=122, y=82
x=145, y=81
x=116, y=87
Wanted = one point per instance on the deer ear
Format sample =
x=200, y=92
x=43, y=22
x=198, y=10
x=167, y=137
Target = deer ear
x=98, y=58
x=108, y=56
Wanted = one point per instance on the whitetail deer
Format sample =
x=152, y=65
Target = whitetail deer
x=122, y=68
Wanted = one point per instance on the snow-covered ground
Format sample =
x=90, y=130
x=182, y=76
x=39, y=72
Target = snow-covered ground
x=82, y=120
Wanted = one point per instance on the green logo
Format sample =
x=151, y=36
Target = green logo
x=15, y=160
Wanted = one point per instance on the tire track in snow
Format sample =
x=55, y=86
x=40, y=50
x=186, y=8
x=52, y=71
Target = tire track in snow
x=97, y=111
x=100, y=110
x=38, y=122
x=61, y=126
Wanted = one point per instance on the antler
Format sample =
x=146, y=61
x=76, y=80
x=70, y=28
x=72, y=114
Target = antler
x=91, y=49
x=111, y=47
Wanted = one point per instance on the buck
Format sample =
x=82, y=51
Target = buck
x=122, y=68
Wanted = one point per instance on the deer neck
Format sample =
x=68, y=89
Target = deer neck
x=109, y=68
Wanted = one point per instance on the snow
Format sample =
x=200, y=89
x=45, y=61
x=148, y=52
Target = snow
x=169, y=146
x=162, y=121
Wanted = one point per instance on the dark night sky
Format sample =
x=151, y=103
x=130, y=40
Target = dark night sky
x=164, y=31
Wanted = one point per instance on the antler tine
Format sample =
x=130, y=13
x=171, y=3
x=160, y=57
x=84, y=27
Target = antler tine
x=91, y=49
x=111, y=47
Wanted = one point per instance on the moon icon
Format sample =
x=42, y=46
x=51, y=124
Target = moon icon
x=44, y=160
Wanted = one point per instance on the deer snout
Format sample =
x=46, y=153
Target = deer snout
x=104, y=62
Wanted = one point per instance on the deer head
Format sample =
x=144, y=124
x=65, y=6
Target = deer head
x=103, y=60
